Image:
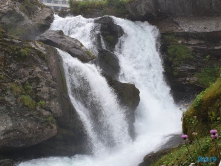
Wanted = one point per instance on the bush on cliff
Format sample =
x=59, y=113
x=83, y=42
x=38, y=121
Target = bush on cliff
x=105, y=7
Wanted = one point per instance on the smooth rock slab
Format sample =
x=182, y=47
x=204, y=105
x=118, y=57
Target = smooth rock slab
x=74, y=47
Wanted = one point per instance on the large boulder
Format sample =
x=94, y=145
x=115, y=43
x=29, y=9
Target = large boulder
x=29, y=95
x=129, y=98
x=74, y=47
x=109, y=33
x=25, y=19
x=108, y=62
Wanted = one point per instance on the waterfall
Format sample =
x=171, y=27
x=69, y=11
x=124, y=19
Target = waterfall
x=156, y=116
x=96, y=103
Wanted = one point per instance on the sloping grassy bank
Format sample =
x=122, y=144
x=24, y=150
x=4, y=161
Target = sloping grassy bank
x=202, y=116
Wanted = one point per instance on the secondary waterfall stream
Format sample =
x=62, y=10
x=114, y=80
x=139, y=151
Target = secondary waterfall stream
x=157, y=116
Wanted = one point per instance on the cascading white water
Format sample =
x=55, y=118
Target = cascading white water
x=93, y=99
x=142, y=66
x=156, y=116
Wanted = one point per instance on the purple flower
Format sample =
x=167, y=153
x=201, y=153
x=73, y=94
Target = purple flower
x=214, y=136
x=213, y=132
x=184, y=136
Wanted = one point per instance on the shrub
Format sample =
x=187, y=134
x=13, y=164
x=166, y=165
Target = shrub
x=208, y=75
x=178, y=53
x=106, y=7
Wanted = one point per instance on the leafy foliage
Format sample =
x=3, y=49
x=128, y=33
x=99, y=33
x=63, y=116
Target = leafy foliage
x=178, y=53
x=106, y=7
x=208, y=75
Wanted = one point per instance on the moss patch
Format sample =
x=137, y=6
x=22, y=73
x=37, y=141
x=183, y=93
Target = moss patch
x=109, y=38
x=27, y=101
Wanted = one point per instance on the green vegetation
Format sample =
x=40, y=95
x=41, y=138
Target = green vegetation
x=28, y=7
x=89, y=53
x=182, y=157
x=27, y=101
x=208, y=75
x=16, y=89
x=106, y=7
x=51, y=120
x=24, y=94
x=28, y=89
x=178, y=54
x=109, y=39
x=202, y=116
x=170, y=38
x=41, y=103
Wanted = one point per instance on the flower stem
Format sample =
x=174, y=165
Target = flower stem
x=189, y=152
x=199, y=145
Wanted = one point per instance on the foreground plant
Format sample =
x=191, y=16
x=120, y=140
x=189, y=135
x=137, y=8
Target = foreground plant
x=185, y=137
x=214, y=136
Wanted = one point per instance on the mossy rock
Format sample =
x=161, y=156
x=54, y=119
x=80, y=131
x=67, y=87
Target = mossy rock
x=27, y=101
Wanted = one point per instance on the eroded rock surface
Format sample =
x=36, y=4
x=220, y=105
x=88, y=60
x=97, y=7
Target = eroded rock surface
x=29, y=95
x=74, y=47
x=152, y=9
x=25, y=19
x=109, y=32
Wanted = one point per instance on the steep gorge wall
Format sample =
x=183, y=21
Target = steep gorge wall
x=147, y=9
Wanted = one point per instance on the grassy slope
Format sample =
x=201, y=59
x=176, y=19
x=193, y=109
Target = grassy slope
x=203, y=115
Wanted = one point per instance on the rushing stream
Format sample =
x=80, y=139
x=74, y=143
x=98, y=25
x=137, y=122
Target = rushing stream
x=157, y=117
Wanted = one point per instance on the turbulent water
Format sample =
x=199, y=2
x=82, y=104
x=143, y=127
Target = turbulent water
x=156, y=116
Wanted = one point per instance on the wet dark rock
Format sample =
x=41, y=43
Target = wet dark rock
x=66, y=43
x=108, y=62
x=172, y=143
x=155, y=9
x=128, y=96
x=109, y=32
x=6, y=162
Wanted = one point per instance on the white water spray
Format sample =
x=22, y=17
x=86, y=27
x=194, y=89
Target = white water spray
x=96, y=103
x=140, y=63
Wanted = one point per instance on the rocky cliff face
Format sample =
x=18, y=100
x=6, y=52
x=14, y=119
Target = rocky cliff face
x=149, y=9
x=36, y=113
x=192, y=61
x=25, y=19
x=29, y=96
